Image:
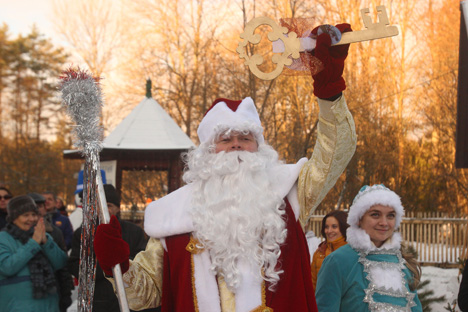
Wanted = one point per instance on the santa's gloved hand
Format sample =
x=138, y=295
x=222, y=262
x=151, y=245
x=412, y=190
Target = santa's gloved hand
x=329, y=82
x=110, y=248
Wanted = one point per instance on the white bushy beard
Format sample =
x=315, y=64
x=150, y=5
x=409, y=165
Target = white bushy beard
x=236, y=215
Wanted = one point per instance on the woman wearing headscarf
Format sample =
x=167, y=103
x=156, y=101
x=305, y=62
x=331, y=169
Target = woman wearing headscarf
x=334, y=231
x=28, y=259
x=370, y=273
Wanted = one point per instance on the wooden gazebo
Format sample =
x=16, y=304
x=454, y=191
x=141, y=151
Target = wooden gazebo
x=147, y=139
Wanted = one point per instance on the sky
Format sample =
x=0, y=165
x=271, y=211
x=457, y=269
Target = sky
x=21, y=15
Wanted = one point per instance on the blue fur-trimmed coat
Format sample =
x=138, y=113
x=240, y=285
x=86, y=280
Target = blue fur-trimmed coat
x=342, y=281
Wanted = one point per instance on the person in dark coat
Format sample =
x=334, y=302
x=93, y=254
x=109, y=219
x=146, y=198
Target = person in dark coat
x=28, y=259
x=57, y=219
x=463, y=291
x=104, y=296
x=5, y=196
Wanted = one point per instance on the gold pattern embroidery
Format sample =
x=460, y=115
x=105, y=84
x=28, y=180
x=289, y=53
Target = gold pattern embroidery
x=334, y=148
x=192, y=273
x=262, y=309
x=145, y=277
x=193, y=246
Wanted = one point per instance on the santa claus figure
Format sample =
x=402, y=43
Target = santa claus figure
x=231, y=239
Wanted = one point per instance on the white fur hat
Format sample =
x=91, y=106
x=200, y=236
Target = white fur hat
x=369, y=196
x=227, y=115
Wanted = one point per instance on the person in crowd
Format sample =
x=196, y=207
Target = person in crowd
x=463, y=291
x=76, y=217
x=28, y=258
x=334, y=231
x=61, y=206
x=371, y=272
x=104, y=297
x=63, y=276
x=5, y=196
x=232, y=238
x=59, y=220
x=53, y=230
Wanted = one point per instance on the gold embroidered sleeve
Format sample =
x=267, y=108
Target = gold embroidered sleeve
x=334, y=148
x=143, y=280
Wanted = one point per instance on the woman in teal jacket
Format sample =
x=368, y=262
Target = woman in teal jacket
x=370, y=273
x=28, y=259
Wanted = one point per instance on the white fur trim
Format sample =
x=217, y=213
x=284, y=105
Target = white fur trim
x=163, y=243
x=358, y=239
x=292, y=195
x=375, y=195
x=170, y=215
x=248, y=295
x=386, y=278
x=249, y=292
x=294, y=201
x=206, y=287
x=221, y=117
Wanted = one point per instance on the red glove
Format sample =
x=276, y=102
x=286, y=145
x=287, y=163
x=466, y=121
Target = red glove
x=329, y=82
x=110, y=248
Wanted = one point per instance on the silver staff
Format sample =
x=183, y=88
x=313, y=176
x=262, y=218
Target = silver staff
x=82, y=98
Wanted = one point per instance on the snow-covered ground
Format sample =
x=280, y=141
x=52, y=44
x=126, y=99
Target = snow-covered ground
x=74, y=306
x=444, y=282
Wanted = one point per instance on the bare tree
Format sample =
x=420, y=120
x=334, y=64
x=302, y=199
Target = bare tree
x=92, y=28
x=401, y=91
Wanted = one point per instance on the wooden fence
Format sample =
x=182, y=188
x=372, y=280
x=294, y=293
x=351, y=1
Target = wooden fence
x=128, y=214
x=438, y=239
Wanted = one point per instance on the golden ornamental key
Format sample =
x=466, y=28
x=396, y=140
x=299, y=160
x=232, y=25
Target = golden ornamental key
x=288, y=46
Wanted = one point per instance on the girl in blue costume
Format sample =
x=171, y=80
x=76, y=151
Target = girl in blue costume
x=28, y=258
x=370, y=273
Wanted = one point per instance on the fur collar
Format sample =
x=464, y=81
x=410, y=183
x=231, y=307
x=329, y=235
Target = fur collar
x=170, y=215
x=358, y=239
x=385, y=277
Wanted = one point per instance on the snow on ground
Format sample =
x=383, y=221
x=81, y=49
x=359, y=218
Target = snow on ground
x=74, y=305
x=444, y=282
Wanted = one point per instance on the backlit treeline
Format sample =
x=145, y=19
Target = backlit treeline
x=401, y=91
x=33, y=130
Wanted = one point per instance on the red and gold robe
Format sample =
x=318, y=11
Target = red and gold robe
x=166, y=272
x=294, y=291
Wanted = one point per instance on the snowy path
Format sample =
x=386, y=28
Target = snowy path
x=442, y=282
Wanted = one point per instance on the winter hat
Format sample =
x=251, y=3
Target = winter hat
x=111, y=195
x=369, y=196
x=227, y=115
x=38, y=198
x=19, y=205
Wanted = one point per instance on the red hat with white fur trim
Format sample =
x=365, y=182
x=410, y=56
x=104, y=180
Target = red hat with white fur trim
x=226, y=116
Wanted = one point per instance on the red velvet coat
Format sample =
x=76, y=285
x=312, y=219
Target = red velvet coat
x=294, y=291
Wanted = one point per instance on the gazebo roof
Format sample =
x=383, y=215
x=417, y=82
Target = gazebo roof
x=147, y=139
x=148, y=127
